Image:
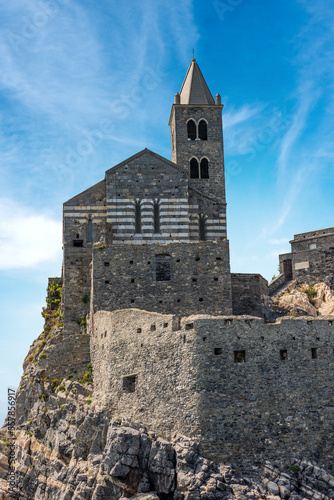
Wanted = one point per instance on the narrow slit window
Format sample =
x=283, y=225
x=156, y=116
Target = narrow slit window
x=191, y=129
x=90, y=230
x=314, y=353
x=203, y=130
x=204, y=168
x=202, y=229
x=156, y=216
x=194, y=169
x=137, y=218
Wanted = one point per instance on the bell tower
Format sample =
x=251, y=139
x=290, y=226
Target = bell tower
x=197, y=135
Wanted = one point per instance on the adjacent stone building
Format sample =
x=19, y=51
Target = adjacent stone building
x=311, y=258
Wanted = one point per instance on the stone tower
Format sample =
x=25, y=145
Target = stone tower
x=197, y=135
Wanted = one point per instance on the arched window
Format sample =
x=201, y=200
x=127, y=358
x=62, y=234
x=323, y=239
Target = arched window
x=90, y=230
x=191, y=129
x=204, y=168
x=203, y=130
x=137, y=217
x=201, y=228
x=156, y=216
x=194, y=169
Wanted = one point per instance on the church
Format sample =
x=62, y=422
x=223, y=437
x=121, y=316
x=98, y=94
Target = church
x=152, y=234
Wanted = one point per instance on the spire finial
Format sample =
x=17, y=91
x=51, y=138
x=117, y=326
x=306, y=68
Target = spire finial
x=193, y=59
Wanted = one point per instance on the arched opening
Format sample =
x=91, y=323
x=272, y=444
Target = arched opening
x=194, y=169
x=191, y=128
x=204, y=169
x=156, y=217
x=201, y=228
x=137, y=218
x=203, y=130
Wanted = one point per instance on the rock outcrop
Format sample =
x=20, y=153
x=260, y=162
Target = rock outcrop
x=68, y=450
x=306, y=300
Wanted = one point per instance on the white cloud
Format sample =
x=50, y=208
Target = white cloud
x=27, y=239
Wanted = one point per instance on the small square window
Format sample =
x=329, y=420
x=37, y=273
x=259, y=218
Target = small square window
x=218, y=351
x=312, y=246
x=165, y=325
x=138, y=330
x=106, y=264
x=189, y=326
x=129, y=383
x=284, y=354
x=78, y=243
x=240, y=356
x=153, y=328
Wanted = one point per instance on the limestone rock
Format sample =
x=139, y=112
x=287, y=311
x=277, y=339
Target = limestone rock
x=298, y=303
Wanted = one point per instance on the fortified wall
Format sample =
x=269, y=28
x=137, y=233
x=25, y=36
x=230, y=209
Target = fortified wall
x=249, y=391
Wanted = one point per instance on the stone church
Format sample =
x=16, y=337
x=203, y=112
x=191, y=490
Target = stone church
x=152, y=234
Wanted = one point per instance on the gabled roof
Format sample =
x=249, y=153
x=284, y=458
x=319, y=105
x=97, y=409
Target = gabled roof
x=194, y=89
x=155, y=156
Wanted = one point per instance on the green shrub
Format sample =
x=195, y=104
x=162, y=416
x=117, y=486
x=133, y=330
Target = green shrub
x=43, y=355
x=85, y=299
x=62, y=388
x=55, y=382
x=294, y=468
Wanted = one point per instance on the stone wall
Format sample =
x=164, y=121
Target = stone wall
x=76, y=287
x=224, y=380
x=131, y=276
x=249, y=294
x=153, y=353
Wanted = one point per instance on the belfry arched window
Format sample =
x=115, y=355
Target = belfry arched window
x=201, y=228
x=191, y=129
x=194, y=168
x=137, y=217
x=204, y=168
x=156, y=216
x=203, y=130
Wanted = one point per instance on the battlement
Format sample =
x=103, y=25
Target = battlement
x=313, y=234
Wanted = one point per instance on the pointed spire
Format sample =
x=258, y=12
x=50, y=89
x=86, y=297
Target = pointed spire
x=194, y=89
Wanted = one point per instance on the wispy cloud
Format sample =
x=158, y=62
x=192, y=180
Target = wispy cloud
x=307, y=99
x=27, y=239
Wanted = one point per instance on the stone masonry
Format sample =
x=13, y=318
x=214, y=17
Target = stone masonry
x=194, y=274
x=247, y=390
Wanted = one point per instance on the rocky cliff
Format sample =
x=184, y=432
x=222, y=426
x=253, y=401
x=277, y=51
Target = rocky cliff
x=67, y=451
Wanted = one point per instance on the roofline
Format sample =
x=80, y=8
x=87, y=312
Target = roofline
x=85, y=191
x=156, y=155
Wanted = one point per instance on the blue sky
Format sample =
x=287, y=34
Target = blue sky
x=84, y=85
